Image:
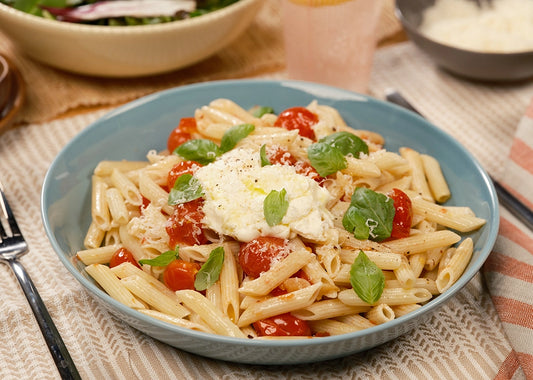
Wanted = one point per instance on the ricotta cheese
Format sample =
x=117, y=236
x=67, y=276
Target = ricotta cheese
x=235, y=187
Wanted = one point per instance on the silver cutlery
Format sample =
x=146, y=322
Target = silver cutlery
x=508, y=200
x=13, y=246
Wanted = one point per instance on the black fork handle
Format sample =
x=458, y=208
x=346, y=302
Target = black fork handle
x=62, y=359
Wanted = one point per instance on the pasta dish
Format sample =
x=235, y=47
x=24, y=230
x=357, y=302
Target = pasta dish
x=265, y=225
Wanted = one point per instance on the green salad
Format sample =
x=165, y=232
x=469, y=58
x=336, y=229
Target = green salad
x=118, y=12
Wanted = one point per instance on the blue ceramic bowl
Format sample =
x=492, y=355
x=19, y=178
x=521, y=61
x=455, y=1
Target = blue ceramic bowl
x=131, y=130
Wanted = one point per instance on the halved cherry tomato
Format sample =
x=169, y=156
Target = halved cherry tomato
x=185, y=225
x=182, y=133
x=180, y=274
x=281, y=156
x=401, y=224
x=257, y=255
x=299, y=118
x=282, y=325
x=180, y=168
x=122, y=255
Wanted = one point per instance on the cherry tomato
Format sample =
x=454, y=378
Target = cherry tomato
x=257, y=255
x=145, y=203
x=299, y=118
x=282, y=325
x=122, y=255
x=180, y=274
x=282, y=156
x=180, y=168
x=185, y=225
x=401, y=224
x=182, y=133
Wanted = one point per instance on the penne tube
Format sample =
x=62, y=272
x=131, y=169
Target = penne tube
x=105, y=168
x=229, y=285
x=401, y=310
x=100, y=255
x=405, y=275
x=94, y=236
x=357, y=321
x=331, y=327
x=181, y=322
x=361, y=168
x=330, y=308
x=154, y=193
x=117, y=206
x=113, y=286
x=390, y=296
x=279, y=305
x=419, y=184
x=212, y=316
x=384, y=260
x=456, y=266
x=99, y=209
x=435, y=178
x=417, y=262
x=127, y=188
x=421, y=282
x=421, y=243
x=380, y=314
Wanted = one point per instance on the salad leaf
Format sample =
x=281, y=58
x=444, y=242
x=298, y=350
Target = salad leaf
x=275, y=207
x=202, y=151
x=347, y=143
x=233, y=135
x=325, y=158
x=186, y=188
x=369, y=211
x=264, y=158
x=210, y=271
x=367, y=279
x=162, y=260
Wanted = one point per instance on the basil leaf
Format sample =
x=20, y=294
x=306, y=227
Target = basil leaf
x=347, y=143
x=210, y=271
x=162, y=260
x=275, y=207
x=258, y=111
x=202, y=151
x=264, y=158
x=186, y=188
x=367, y=279
x=373, y=210
x=233, y=135
x=325, y=158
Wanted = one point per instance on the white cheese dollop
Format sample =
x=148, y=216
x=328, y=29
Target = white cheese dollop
x=235, y=187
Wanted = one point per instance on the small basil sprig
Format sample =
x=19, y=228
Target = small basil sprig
x=210, y=271
x=327, y=156
x=367, y=279
x=186, y=188
x=347, y=143
x=206, y=151
x=258, y=111
x=369, y=215
x=275, y=207
x=202, y=151
x=233, y=135
x=162, y=260
x=264, y=158
x=326, y=159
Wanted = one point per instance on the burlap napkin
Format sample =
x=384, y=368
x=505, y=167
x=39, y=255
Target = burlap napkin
x=51, y=92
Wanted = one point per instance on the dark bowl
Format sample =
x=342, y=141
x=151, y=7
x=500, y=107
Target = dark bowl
x=496, y=67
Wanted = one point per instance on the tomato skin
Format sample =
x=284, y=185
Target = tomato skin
x=401, y=224
x=182, y=133
x=282, y=325
x=180, y=274
x=183, y=167
x=185, y=225
x=256, y=256
x=299, y=118
x=282, y=156
x=122, y=255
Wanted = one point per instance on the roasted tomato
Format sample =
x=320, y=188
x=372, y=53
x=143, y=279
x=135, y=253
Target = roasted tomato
x=185, y=225
x=122, y=255
x=282, y=325
x=182, y=133
x=180, y=274
x=282, y=156
x=180, y=168
x=299, y=118
x=257, y=255
x=403, y=216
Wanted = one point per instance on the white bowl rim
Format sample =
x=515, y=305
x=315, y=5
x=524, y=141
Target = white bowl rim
x=129, y=29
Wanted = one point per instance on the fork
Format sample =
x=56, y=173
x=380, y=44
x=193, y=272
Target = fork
x=12, y=246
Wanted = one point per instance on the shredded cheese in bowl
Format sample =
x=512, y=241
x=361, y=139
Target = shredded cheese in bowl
x=504, y=26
